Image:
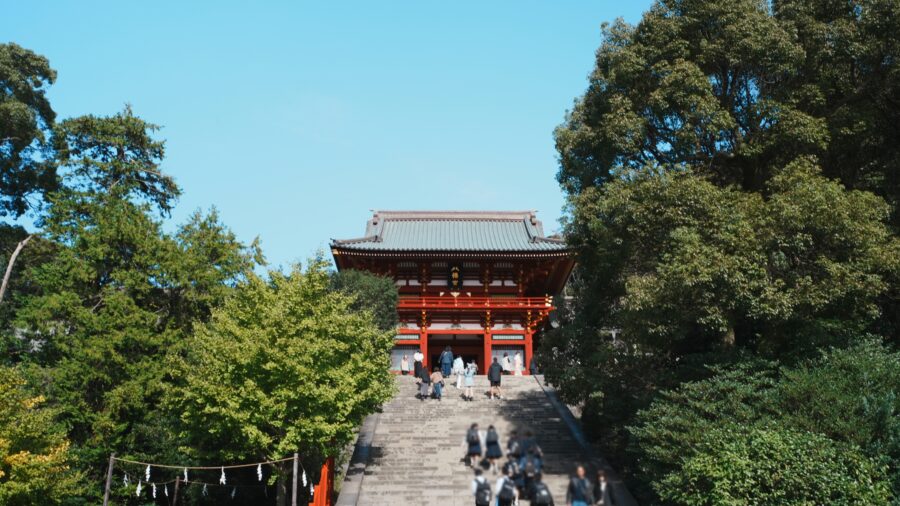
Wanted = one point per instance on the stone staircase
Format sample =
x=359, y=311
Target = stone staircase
x=411, y=452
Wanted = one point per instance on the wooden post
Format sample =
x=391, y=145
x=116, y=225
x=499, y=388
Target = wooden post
x=175, y=494
x=294, y=487
x=112, y=457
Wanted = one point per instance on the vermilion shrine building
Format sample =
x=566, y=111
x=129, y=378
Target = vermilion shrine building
x=480, y=282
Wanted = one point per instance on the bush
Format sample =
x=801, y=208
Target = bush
x=848, y=395
x=766, y=465
x=675, y=424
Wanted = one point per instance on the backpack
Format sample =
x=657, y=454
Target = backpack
x=472, y=437
x=530, y=467
x=483, y=494
x=542, y=495
x=515, y=448
x=508, y=490
x=513, y=466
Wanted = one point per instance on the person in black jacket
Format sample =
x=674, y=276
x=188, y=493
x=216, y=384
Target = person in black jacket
x=494, y=374
x=424, y=381
x=540, y=493
x=580, y=491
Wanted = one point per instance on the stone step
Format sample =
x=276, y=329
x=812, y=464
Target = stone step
x=416, y=449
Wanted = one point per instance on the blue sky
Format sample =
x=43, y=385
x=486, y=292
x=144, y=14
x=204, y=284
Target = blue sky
x=296, y=118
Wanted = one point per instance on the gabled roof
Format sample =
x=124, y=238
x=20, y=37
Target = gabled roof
x=457, y=231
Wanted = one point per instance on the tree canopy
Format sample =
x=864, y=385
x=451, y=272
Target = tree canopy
x=26, y=119
x=732, y=198
x=284, y=365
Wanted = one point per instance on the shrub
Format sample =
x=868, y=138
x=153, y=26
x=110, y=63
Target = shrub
x=766, y=465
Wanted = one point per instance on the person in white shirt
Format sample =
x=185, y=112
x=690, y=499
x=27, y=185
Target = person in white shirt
x=417, y=363
x=517, y=361
x=506, y=363
x=481, y=489
x=506, y=491
x=459, y=369
x=602, y=492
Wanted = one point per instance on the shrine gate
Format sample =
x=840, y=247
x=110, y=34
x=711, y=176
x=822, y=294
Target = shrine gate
x=479, y=282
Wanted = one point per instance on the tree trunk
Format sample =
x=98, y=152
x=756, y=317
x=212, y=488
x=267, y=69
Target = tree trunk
x=728, y=340
x=9, y=265
x=281, y=485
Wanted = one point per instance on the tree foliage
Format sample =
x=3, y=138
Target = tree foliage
x=371, y=292
x=35, y=461
x=703, y=435
x=732, y=195
x=285, y=365
x=26, y=119
x=116, y=155
x=119, y=294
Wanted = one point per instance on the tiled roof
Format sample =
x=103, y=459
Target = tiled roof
x=453, y=231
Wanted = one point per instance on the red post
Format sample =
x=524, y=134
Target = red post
x=324, y=490
x=487, y=351
x=528, y=352
x=423, y=345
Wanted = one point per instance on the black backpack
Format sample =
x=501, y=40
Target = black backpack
x=513, y=466
x=508, y=490
x=541, y=495
x=472, y=437
x=483, y=494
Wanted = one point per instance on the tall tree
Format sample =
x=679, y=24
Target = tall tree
x=119, y=294
x=697, y=83
x=726, y=171
x=26, y=168
x=850, y=78
x=284, y=366
x=117, y=155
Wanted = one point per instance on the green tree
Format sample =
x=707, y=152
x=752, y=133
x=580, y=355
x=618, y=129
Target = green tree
x=119, y=294
x=25, y=122
x=849, y=77
x=35, y=462
x=371, y=292
x=284, y=366
x=697, y=83
x=116, y=154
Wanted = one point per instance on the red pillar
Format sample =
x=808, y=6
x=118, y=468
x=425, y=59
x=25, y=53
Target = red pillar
x=487, y=351
x=528, y=352
x=423, y=345
x=324, y=490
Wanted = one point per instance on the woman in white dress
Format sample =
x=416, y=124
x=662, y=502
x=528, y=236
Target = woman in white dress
x=517, y=361
x=506, y=364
